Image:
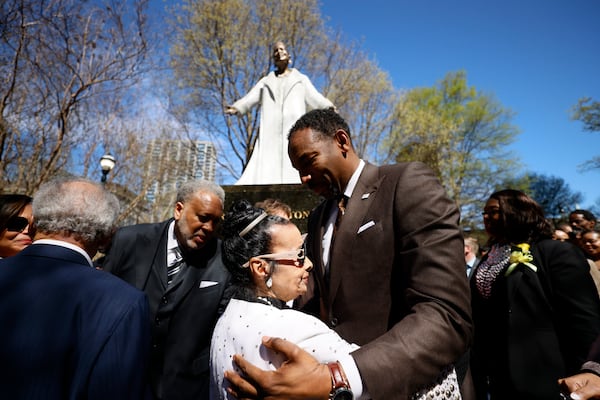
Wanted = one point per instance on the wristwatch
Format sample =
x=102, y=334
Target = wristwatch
x=340, y=388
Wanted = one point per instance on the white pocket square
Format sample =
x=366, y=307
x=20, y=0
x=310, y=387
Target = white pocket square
x=366, y=226
x=204, y=284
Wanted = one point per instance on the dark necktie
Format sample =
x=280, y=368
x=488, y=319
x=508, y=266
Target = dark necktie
x=342, y=202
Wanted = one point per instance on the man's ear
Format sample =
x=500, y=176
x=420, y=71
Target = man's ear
x=343, y=141
x=178, y=210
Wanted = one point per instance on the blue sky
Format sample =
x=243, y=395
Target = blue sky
x=537, y=57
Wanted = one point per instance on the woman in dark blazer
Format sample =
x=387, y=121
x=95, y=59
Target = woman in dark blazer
x=535, y=308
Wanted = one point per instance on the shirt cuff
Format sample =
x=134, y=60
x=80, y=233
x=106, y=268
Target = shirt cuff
x=353, y=375
x=590, y=366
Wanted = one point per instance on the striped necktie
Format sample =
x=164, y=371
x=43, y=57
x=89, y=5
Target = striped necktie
x=174, y=267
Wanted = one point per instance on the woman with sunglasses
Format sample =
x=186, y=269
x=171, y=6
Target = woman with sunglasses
x=15, y=220
x=266, y=257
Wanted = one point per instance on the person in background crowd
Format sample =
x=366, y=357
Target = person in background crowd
x=275, y=207
x=177, y=263
x=590, y=243
x=15, y=221
x=560, y=235
x=565, y=226
x=70, y=331
x=535, y=308
x=471, y=251
x=393, y=280
x=581, y=220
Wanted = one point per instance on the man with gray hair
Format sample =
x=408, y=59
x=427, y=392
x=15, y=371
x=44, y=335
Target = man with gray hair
x=70, y=331
x=471, y=253
x=177, y=263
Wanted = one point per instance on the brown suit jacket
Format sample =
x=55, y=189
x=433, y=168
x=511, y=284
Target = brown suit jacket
x=397, y=283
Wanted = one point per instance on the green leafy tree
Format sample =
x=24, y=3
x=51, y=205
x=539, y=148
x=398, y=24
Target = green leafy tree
x=462, y=134
x=588, y=112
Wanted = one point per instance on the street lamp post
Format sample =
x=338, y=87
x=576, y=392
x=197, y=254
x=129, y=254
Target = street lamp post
x=107, y=163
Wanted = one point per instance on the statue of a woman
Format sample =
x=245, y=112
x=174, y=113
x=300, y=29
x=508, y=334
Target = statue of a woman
x=284, y=95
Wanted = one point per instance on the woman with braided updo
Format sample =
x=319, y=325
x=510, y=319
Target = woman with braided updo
x=266, y=257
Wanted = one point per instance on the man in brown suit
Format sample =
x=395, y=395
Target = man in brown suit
x=391, y=280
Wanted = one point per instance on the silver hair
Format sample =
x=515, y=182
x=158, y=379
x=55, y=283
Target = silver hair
x=75, y=207
x=473, y=243
x=189, y=188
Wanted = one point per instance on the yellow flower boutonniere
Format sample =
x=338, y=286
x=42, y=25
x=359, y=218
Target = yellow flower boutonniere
x=520, y=255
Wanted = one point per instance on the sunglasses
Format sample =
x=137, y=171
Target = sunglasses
x=294, y=257
x=17, y=224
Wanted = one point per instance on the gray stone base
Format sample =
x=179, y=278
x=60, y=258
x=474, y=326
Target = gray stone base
x=301, y=199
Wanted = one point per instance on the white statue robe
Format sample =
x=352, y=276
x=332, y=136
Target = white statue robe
x=283, y=100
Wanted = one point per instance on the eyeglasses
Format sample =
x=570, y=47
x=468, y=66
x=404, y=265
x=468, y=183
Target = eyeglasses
x=17, y=224
x=493, y=211
x=294, y=257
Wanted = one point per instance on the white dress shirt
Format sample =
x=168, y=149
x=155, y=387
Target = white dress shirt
x=328, y=235
x=173, y=252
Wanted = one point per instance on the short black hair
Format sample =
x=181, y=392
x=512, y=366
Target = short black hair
x=587, y=215
x=325, y=122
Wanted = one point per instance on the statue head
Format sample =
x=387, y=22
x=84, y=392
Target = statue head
x=281, y=57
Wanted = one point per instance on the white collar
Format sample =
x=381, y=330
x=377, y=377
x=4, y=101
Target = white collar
x=68, y=245
x=172, y=243
x=354, y=179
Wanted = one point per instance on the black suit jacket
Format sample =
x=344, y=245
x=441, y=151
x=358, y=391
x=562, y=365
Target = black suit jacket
x=68, y=330
x=398, y=285
x=472, y=269
x=183, y=315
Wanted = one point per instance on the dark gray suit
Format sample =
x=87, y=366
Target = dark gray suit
x=398, y=285
x=183, y=314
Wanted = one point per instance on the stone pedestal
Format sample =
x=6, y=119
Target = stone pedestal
x=301, y=199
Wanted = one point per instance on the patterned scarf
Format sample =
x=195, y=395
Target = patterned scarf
x=489, y=269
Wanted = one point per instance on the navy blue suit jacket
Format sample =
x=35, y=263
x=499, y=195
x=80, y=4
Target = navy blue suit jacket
x=68, y=330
